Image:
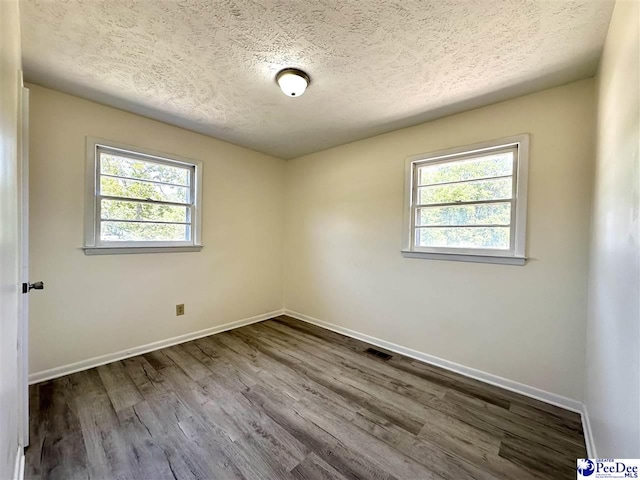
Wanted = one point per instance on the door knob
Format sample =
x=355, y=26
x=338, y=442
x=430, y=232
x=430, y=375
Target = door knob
x=26, y=287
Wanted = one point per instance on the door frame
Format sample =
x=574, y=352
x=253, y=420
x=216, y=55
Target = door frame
x=23, y=270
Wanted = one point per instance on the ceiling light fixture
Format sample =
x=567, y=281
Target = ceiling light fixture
x=292, y=82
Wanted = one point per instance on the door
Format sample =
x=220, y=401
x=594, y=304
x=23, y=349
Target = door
x=23, y=215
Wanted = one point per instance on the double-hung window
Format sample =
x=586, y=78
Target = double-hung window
x=140, y=201
x=468, y=203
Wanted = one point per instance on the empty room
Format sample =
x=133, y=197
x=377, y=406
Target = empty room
x=319, y=239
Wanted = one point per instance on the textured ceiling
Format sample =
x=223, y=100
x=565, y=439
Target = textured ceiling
x=375, y=66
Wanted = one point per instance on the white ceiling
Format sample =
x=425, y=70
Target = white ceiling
x=375, y=66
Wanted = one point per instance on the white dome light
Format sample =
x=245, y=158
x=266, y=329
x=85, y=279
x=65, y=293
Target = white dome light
x=292, y=82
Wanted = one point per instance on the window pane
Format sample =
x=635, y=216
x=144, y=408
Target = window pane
x=119, y=187
x=111, y=164
x=478, y=190
x=121, y=210
x=464, y=237
x=492, y=165
x=112, y=231
x=484, y=214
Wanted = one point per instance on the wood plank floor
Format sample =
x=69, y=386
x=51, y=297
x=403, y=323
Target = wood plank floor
x=283, y=399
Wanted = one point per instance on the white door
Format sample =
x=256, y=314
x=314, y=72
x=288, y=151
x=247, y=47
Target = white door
x=23, y=327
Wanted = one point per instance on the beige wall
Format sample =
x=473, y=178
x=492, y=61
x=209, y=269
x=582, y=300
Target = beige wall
x=613, y=347
x=9, y=250
x=342, y=239
x=344, y=234
x=96, y=305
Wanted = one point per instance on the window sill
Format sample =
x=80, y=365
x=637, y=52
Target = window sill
x=129, y=250
x=458, y=257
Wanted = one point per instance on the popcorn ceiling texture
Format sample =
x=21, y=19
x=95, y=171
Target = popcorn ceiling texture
x=375, y=66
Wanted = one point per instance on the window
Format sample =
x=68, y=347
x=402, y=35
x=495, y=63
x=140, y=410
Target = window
x=468, y=203
x=140, y=201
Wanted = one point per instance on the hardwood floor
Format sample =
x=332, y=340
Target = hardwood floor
x=283, y=399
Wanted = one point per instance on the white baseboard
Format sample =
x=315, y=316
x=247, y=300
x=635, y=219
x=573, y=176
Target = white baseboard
x=588, y=434
x=511, y=385
x=18, y=469
x=38, y=377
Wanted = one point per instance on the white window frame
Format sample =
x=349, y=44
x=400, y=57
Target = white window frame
x=93, y=244
x=515, y=255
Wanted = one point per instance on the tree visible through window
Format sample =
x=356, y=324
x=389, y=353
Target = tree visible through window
x=142, y=200
x=467, y=201
x=143, y=219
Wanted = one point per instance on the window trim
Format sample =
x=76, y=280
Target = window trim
x=93, y=245
x=516, y=253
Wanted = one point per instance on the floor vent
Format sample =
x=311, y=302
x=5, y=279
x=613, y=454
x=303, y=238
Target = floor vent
x=378, y=353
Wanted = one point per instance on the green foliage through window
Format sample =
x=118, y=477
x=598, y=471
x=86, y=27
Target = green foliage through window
x=482, y=214
x=139, y=219
x=485, y=178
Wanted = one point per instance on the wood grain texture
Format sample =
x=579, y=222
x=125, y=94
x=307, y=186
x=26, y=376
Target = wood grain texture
x=283, y=399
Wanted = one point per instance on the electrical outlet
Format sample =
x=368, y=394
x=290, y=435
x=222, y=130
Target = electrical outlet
x=180, y=309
